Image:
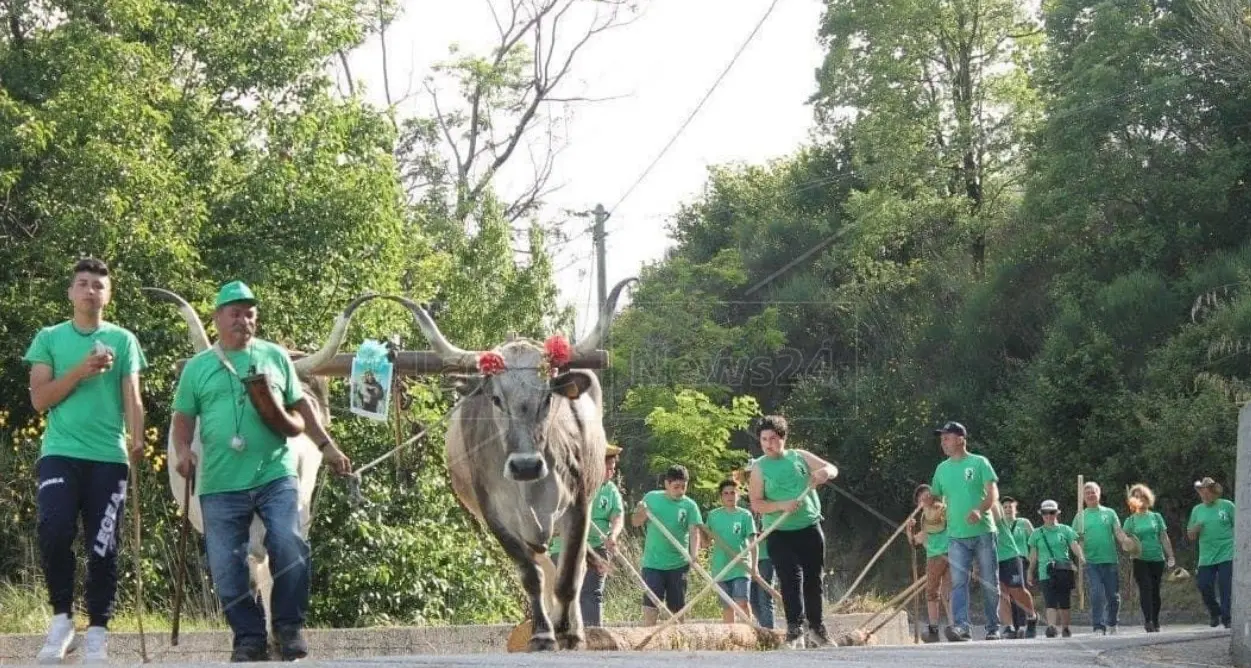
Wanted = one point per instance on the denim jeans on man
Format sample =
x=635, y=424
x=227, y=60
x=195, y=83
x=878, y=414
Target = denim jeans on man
x=961, y=554
x=227, y=517
x=1104, y=583
x=1208, y=579
x=761, y=601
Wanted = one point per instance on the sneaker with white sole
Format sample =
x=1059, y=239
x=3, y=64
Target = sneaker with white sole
x=60, y=636
x=96, y=646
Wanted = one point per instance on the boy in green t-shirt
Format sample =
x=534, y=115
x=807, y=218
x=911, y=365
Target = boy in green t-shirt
x=933, y=535
x=730, y=529
x=664, y=565
x=84, y=372
x=1212, y=524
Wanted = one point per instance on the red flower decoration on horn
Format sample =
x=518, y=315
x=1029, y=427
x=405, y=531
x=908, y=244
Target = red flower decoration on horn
x=557, y=350
x=490, y=363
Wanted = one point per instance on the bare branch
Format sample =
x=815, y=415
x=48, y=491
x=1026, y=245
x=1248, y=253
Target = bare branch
x=347, y=72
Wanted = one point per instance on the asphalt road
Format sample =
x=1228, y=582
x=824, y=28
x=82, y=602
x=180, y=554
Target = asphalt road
x=1083, y=649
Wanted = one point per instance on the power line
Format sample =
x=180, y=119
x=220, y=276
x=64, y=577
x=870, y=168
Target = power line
x=699, y=106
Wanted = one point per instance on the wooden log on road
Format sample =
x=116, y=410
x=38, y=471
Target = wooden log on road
x=680, y=637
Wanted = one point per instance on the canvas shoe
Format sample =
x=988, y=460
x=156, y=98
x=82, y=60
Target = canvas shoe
x=60, y=637
x=96, y=646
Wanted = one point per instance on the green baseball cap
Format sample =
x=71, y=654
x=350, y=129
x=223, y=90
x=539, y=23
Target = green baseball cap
x=234, y=291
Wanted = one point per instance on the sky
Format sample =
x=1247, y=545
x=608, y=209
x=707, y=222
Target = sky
x=654, y=72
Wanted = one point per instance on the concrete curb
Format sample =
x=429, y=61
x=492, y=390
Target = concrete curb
x=326, y=644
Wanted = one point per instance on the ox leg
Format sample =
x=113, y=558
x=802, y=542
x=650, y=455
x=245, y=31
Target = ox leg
x=570, y=574
x=542, y=639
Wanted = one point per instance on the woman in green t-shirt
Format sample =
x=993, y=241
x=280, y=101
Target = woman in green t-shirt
x=1150, y=552
x=1053, y=547
x=1212, y=524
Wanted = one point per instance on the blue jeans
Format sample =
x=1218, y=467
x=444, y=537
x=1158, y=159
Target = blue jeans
x=591, y=599
x=1104, y=583
x=227, y=517
x=761, y=601
x=1208, y=579
x=961, y=554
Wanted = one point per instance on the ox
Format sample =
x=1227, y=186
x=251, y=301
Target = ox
x=525, y=453
x=308, y=457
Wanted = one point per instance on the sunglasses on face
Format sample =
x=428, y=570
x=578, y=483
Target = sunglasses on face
x=1049, y=512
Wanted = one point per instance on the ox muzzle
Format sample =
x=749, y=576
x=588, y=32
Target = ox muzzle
x=525, y=467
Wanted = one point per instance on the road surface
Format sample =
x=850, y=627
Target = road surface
x=1123, y=650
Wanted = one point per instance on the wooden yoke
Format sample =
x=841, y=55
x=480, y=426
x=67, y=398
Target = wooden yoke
x=428, y=363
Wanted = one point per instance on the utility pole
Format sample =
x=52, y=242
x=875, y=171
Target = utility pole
x=601, y=253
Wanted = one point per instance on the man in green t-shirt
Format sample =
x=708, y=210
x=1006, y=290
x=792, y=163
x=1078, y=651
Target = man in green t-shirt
x=664, y=565
x=84, y=372
x=730, y=528
x=968, y=485
x=1212, y=524
x=248, y=468
x=1098, y=530
x=783, y=490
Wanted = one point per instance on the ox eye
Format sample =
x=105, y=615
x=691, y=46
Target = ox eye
x=499, y=403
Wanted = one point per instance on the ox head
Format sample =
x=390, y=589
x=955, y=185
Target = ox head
x=304, y=364
x=519, y=393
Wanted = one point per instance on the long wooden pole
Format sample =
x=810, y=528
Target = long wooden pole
x=181, y=575
x=902, y=526
x=647, y=591
x=1081, y=492
x=138, y=557
x=755, y=574
x=916, y=601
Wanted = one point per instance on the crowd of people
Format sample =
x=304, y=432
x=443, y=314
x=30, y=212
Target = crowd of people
x=85, y=373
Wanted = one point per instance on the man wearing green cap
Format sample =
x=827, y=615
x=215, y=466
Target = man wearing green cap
x=247, y=469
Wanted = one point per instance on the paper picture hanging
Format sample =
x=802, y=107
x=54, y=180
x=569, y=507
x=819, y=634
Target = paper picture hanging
x=370, y=382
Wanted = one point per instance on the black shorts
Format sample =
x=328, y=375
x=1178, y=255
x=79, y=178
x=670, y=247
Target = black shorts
x=1058, y=590
x=1012, y=572
x=668, y=585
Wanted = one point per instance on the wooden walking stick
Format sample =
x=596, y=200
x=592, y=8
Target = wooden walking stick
x=1081, y=492
x=903, y=526
x=916, y=601
x=180, y=577
x=134, y=496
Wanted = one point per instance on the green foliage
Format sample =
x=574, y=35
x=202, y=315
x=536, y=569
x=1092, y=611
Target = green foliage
x=691, y=430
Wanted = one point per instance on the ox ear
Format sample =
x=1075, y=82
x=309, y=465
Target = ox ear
x=570, y=384
x=465, y=384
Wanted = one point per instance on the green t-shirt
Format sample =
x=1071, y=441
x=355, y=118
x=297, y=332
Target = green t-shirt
x=936, y=543
x=1147, y=527
x=1057, y=538
x=1021, y=531
x=735, y=527
x=1216, y=538
x=678, y=517
x=89, y=423
x=962, y=485
x=605, y=505
x=208, y=391
x=785, y=478
x=1006, y=546
x=1097, y=529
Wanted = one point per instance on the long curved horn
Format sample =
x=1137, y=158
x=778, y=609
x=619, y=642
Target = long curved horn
x=591, y=343
x=199, y=338
x=338, y=332
x=450, y=354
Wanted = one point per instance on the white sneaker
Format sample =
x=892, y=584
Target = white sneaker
x=96, y=646
x=60, y=635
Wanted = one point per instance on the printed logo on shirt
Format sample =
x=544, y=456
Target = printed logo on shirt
x=603, y=504
x=1224, y=515
x=682, y=517
x=968, y=475
x=738, y=529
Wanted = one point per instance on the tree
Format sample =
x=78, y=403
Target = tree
x=938, y=99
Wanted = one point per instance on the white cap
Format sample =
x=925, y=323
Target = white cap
x=1049, y=505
